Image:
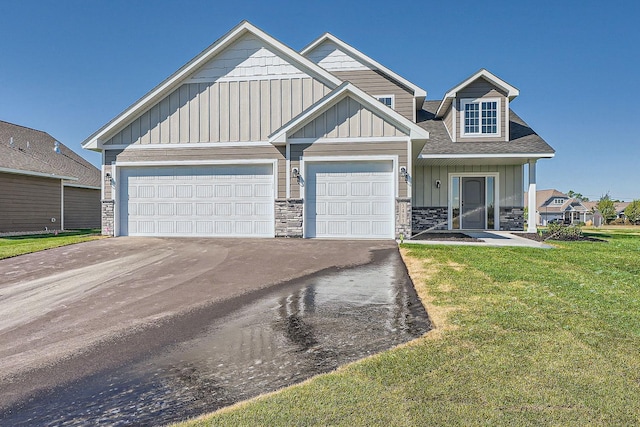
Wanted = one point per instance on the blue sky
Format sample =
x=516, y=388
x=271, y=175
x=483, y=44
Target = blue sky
x=68, y=67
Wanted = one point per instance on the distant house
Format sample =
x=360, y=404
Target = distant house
x=555, y=206
x=593, y=210
x=43, y=184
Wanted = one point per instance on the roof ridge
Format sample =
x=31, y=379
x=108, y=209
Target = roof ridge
x=26, y=127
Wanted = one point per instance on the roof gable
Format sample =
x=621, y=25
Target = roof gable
x=510, y=91
x=252, y=36
x=358, y=100
x=328, y=50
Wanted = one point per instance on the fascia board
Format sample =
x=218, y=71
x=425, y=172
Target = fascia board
x=372, y=63
x=165, y=87
x=38, y=174
x=489, y=156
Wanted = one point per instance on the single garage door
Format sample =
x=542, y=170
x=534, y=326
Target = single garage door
x=350, y=200
x=220, y=201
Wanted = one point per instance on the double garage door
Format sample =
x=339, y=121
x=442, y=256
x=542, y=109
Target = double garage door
x=350, y=200
x=221, y=201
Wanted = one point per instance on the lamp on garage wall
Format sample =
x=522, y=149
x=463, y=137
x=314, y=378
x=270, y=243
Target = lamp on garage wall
x=404, y=174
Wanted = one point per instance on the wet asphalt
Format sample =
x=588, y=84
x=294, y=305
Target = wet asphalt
x=223, y=353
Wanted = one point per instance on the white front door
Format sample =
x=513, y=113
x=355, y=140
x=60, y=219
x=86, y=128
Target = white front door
x=350, y=200
x=220, y=201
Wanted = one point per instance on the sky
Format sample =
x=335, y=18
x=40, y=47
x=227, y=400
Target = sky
x=69, y=67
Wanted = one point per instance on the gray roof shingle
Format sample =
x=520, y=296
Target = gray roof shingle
x=522, y=139
x=39, y=155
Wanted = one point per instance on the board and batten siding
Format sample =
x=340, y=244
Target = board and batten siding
x=375, y=83
x=481, y=88
x=425, y=193
x=229, y=155
x=222, y=111
x=81, y=208
x=348, y=119
x=28, y=203
x=355, y=149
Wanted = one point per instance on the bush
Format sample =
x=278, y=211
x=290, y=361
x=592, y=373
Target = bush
x=618, y=221
x=564, y=232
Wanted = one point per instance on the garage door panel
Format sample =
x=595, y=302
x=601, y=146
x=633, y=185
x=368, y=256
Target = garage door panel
x=350, y=199
x=204, y=201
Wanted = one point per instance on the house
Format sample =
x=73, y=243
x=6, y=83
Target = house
x=555, y=206
x=595, y=216
x=43, y=184
x=254, y=139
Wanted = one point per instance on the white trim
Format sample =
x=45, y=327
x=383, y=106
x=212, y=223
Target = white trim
x=38, y=174
x=165, y=87
x=103, y=155
x=393, y=100
x=507, y=120
x=371, y=63
x=133, y=146
x=287, y=156
x=496, y=196
x=194, y=162
x=88, y=187
x=488, y=156
x=454, y=120
x=376, y=139
x=61, y=206
x=466, y=101
x=409, y=171
x=247, y=78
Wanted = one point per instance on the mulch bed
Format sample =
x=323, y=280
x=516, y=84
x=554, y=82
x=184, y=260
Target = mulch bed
x=541, y=238
x=449, y=237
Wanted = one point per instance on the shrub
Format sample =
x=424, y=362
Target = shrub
x=564, y=232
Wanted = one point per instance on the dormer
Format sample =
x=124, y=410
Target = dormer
x=477, y=109
x=349, y=64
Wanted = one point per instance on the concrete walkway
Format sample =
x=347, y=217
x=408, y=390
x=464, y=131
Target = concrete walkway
x=489, y=238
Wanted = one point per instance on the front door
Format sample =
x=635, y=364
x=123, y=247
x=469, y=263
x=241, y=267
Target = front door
x=474, y=214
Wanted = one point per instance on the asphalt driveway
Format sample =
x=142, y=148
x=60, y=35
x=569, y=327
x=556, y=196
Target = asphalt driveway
x=71, y=311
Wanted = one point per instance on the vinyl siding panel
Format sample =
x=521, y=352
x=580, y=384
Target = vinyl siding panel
x=481, y=88
x=375, y=83
x=299, y=151
x=448, y=121
x=28, y=203
x=347, y=119
x=81, y=208
x=225, y=111
x=425, y=193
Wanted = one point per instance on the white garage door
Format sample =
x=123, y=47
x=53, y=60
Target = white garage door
x=221, y=201
x=350, y=200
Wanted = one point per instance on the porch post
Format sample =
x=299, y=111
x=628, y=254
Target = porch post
x=531, y=219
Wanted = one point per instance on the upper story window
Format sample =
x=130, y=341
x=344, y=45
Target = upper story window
x=388, y=100
x=480, y=117
x=557, y=201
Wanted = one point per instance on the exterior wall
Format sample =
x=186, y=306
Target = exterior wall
x=428, y=219
x=108, y=224
x=512, y=219
x=322, y=149
x=375, y=83
x=403, y=218
x=28, y=203
x=348, y=119
x=481, y=88
x=425, y=193
x=329, y=56
x=225, y=111
x=81, y=208
x=448, y=120
x=289, y=217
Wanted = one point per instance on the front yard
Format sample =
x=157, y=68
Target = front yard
x=523, y=337
x=11, y=246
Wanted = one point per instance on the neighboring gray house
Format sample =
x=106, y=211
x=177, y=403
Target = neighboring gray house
x=254, y=139
x=43, y=184
x=555, y=206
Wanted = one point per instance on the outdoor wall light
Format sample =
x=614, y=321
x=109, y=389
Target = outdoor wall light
x=107, y=177
x=404, y=174
x=295, y=173
x=438, y=183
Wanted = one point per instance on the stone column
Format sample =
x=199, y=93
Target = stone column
x=107, y=218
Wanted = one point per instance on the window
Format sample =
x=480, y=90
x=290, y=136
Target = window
x=480, y=117
x=387, y=100
x=558, y=201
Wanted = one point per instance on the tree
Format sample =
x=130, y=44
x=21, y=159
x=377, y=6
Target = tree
x=606, y=208
x=578, y=196
x=632, y=212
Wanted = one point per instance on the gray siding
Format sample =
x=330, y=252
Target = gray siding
x=81, y=208
x=174, y=154
x=225, y=111
x=348, y=119
x=345, y=149
x=448, y=120
x=28, y=203
x=375, y=83
x=481, y=88
x=511, y=184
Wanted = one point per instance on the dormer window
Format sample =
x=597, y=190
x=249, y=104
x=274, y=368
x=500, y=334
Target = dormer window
x=558, y=201
x=387, y=100
x=480, y=117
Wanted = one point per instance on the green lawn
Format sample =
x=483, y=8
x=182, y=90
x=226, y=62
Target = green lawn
x=20, y=245
x=523, y=337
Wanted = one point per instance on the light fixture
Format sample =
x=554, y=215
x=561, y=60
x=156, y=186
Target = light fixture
x=438, y=183
x=404, y=174
x=295, y=173
x=107, y=177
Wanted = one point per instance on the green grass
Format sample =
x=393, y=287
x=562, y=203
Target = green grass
x=524, y=337
x=20, y=245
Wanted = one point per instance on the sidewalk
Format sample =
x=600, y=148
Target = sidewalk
x=489, y=238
